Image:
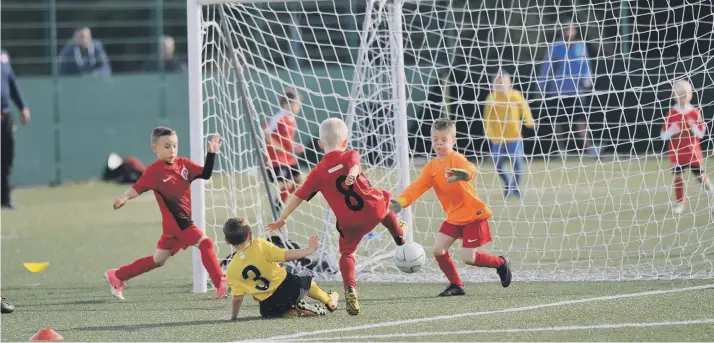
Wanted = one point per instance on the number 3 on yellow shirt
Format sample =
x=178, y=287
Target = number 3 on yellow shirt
x=261, y=283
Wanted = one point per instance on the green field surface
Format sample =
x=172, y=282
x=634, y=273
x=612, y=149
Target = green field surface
x=578, y=220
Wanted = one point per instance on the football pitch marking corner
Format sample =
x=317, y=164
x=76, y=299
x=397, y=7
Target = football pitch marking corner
x=483, y=313
x=537, y=329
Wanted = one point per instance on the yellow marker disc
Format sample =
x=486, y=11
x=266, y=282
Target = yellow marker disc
x=36, y=267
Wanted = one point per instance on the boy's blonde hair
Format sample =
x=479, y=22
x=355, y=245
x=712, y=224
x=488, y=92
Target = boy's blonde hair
x=444, y=125
x=682, y=88
x=333, y=132
x=501, y=74
x=504, y=79
x=290, y=96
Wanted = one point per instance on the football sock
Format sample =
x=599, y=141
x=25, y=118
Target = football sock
x=679, y=188
x=210, y=261
x=392, y=225
x=487, y=260
x=708, y=185
x=286, y=190
x=136, y=268
x=347, y=269
x=284, y=193
x=448, y=267
x=317, y=293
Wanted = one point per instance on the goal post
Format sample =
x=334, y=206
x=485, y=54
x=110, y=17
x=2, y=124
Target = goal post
x=389, y=68
x=196, y=135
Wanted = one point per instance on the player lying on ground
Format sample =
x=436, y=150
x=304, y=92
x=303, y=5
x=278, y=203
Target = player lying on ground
x=504, y=113
x=280, y=141
x=358, y=206
x=683, y=130
x=255, y=271
x=170, y=178
x=451, y=176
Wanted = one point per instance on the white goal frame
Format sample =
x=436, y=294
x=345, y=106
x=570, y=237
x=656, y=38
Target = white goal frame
x=197, y=137
x=566, y=227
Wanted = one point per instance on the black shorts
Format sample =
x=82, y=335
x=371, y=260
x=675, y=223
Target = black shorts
x=284, y=173
x=566, y=109
x=679, y=169
x=293, y=289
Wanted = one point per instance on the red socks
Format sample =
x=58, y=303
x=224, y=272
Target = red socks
x=679, y=188
x=210, y=261
x=145, y=264
x=285, y=191
x=487, y=260
x=136, y=268
x=447, y=265
x=392, y=225
x=347, y=269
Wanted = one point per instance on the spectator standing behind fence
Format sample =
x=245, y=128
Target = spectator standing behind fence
x=83, y=56
x=504, y=113
x=10, y=91
x=166, y=57
x=564, y=79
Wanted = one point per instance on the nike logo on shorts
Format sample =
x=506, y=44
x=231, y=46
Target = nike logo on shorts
x=472, y=240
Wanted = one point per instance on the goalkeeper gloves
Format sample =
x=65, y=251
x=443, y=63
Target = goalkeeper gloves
x=395, y=206
x=456, y=174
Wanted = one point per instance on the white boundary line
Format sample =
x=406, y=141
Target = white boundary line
x=485, y=313
x=540, y=329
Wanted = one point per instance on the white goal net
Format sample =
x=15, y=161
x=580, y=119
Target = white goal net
x=390, y=68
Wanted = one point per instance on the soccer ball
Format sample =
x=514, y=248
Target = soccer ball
x=409, y=257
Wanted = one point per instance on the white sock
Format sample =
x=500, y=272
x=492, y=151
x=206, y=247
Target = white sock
x=709, y=186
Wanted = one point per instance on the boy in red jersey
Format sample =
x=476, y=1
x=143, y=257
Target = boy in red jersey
x=451, y=176
x=683, y=130
x=280, y=140
x=170, y=178
x=357, y=205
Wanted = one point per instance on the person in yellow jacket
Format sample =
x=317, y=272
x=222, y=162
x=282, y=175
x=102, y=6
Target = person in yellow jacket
x=505, y=112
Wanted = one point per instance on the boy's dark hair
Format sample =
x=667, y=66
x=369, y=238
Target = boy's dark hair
x=443, y=124
x=290, y=96
x=161, y=131
x=236, y=230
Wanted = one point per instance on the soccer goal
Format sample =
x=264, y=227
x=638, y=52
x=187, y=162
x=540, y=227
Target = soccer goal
x=389, y=68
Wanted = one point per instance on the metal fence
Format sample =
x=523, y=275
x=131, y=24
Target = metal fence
x=34, y=31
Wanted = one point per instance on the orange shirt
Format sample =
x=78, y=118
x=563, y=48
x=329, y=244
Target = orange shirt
x=458, y=199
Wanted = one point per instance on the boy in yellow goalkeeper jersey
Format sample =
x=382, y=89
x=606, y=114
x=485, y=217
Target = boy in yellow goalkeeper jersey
x=254, y=270
x=504, y=113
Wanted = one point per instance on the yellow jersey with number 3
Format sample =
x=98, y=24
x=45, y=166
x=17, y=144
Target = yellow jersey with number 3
x=255, y=270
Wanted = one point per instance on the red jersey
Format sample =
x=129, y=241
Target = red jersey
x=171, y=184
x=281, y=130
x=685, y=145
x=353, y=205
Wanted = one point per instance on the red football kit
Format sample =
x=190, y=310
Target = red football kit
x=358, y=207
x=171, y=184
x=684, y=147
x=281, y=130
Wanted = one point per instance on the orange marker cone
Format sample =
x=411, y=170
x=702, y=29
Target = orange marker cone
x=46, y=334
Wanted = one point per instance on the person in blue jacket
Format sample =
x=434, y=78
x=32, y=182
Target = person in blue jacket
x=565, y=79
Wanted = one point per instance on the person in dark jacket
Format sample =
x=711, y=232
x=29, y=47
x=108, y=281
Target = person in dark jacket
x=166, y=57
x=84, y=56
x=10, y=91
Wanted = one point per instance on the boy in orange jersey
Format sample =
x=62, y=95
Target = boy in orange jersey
x=451, y=175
